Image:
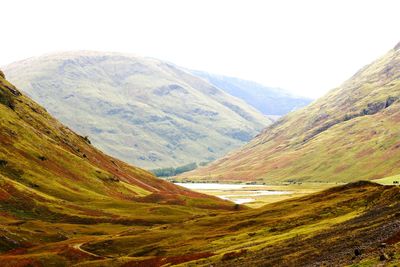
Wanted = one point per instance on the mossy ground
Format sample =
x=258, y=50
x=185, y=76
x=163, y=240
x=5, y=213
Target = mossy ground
x=328, y=226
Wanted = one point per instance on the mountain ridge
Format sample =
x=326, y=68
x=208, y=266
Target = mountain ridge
x=269, y=100
x=65, y=203
x=142, y=110
x=356, y=122
x=42, y=161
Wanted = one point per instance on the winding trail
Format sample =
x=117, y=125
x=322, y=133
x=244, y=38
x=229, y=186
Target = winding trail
x=78, y=247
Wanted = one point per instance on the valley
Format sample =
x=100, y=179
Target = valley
x=350, y=133
x=110, y=159
x=63, y=202
x=270, y=101
x=268, y=235
x=145, y=111
x=256, y=195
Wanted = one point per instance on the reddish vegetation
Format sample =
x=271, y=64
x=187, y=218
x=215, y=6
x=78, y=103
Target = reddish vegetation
x=90, y=212
x=160, y=261
x=17, y=251
x=162, y=198
x=6, y=215
x=396, y=118
x=24, y=263
x=4, y=195
x=394, y=239
x=365, y=152
x=342, y=168
x=234, y=254
x=75, y=255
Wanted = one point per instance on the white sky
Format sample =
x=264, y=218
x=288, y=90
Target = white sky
x=305, y=46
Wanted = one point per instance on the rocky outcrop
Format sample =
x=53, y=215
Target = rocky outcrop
x=7, y=92
x=371, y=109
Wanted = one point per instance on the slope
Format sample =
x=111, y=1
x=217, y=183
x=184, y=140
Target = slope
x=351, y=133
x=48, y=173
x=141, y=110
x=337, y=227
x=268, y=100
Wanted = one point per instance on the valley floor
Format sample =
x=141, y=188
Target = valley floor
x=258, y=195
x=349, y=225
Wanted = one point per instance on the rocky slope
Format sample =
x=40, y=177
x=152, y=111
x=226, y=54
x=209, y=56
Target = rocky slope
x=351, y=133
x=268, y=100
x=144, y=111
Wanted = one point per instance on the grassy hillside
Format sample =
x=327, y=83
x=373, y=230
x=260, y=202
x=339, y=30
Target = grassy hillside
x=351, y=133
x=141, y=110
x=268, y=100
x=51, y=177
x=341, y=226
x=64, y=203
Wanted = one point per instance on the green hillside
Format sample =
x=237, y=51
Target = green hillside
x=144, y=111
x=351, y=133
x=65, y=203
x=48, y=172
x=342, y=226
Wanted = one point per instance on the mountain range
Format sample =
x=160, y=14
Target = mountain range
x=351, y=133
x=47, y=168
x=144, y=111
x=63, y=202
x=268, y=100
x=50, y=173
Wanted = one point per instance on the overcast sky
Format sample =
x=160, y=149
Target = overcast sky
x=305, y=46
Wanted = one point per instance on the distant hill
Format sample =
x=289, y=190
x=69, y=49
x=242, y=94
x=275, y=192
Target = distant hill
x=268, y=100
x=51, y=177
x=48, y=171
x=144, y=111
x=350, y=133
x=65, y=203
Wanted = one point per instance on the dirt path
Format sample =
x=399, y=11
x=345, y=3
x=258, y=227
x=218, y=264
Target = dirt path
x=78, y=247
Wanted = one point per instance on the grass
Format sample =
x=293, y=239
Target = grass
x=65, y=203
x=388, y=180
x=144, y=111
x=349, y=134
x=184, y=235
x=273, y=227
x=293, y=190
x=41, y=156
x=57, y=190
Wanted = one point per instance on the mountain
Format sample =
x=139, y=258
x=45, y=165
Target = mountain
x=144, y=111
x=65, y=203
x=351, y=133
x=48, y=172
x=54, y=185
x=268, y=100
